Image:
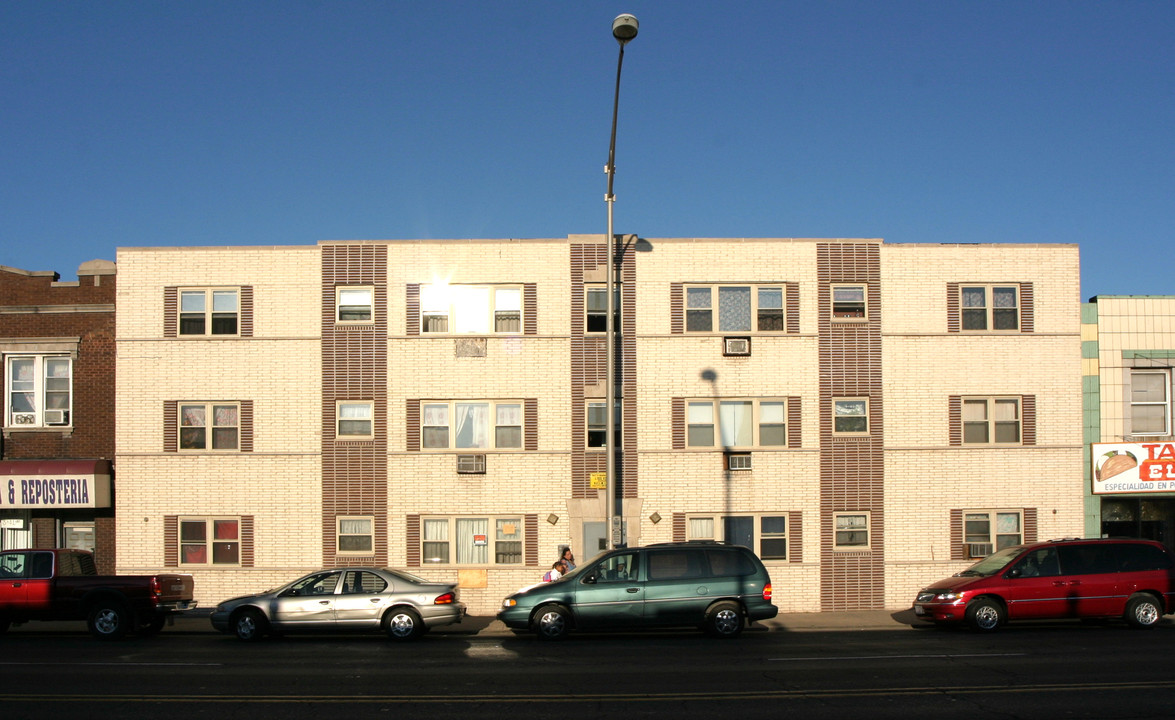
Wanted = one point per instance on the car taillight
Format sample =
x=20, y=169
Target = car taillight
x=445, y=599
x=156, y=589
x=767, y=592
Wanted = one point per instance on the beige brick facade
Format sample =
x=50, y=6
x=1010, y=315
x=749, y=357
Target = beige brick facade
x=290, y=362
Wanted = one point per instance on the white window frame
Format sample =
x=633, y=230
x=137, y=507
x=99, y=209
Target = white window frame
x=849, y=302
x=499, y=414
x=209, y=310
x=988, y=311
x=41, y=387
x=460, y=306
x=695, y=409
x=601, y=313
x=1164, y=404
x=591, y=417
x=347, y=527
x=714, y=310
x=844, y=523
x=210, y=540
x=991, y=421
x=350, y=300
x=210, y=413
x=695, y=530
x=441, y=530
x=350, y=415
x=840, y=406
x=998, y=540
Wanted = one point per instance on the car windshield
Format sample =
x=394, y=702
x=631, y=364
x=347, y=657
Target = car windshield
x=993, y=563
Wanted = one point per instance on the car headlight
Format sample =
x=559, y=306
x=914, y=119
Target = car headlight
x=509, y=603
x=948, y=596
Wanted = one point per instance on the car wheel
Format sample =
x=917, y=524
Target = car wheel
x=109, y=620
x=1143, y=611
x=249, y=625
x=403, y=624
x=552, y=623
x=724, y=620
x=985, y=615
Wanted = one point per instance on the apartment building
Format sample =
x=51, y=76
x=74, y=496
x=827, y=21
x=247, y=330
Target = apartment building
x=1128, y=346
x=866, y=416
x=57, y=343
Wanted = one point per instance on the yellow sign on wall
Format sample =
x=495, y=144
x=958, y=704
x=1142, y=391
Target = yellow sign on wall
x=598, y=481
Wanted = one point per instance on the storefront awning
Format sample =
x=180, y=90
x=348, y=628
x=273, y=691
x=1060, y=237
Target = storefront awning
x=50, y=484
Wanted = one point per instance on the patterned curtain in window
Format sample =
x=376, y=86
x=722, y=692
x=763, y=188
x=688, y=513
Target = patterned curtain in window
x=734, y=309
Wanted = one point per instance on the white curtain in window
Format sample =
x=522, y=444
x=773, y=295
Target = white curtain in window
x=434, y=299
x=192, y=416
x=734, y=420
x=472, y=541
x=473, y=425
x=509, y=415
x=701, y=529
x=701, y=413
x=436, y=415
x=355, y=526
x=436, y=530
x=349, y=411
x=508, y=299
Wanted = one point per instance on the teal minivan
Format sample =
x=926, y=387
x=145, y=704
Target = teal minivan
x=710, y=585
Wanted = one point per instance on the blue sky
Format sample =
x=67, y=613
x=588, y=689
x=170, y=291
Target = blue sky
x=154, y=123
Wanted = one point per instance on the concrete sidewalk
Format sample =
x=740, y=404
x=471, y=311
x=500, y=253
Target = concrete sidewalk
x=477, y=625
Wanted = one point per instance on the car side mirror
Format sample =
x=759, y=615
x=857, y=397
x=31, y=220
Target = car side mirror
x=1014, y=573
x=589, y=579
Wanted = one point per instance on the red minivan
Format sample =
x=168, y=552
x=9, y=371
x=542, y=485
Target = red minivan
x=1104, y=578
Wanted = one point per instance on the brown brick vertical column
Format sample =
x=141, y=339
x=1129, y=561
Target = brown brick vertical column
x=355, y=367
x=851, y=468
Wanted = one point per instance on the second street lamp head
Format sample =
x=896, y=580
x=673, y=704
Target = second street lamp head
x=624, y=28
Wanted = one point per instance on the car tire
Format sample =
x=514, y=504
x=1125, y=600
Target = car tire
x=403, y=624
x=109, y=620
x=1143, y=611
x=724, y=620
x=249, y=625
x=552, y=622
x=985, y=615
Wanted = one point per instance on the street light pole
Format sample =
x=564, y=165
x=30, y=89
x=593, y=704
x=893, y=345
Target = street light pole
x=624, y=28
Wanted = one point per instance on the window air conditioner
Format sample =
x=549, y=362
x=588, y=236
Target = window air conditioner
x=736, y=346
x=979, y=550
x=738, y=461
x=471, y=464
x=56, y=417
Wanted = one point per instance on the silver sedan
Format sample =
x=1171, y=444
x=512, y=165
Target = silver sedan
x=358, y=598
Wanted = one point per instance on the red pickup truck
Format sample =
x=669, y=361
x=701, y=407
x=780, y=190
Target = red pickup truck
x=64, y=585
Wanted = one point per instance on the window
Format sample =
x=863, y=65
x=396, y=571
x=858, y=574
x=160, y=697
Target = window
x=998, y=528
x=471, y=425
x=1150, y=411
x=208, y=312
x=597, y=424
x=354, y=420
x=850, y=416
x=596, y=309
x=355, y=535
x=851, y=531
x=354, y=304
x=477, y=309
x=736, y=423
x=210, y=541
x=472, y=541
x=766, y=535
x=39, y=391
x=209, y=426
x=848, y=302
x=990, y=307
x=991, y=421
x=740, y=308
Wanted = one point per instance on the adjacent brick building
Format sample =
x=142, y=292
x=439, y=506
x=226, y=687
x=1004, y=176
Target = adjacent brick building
x=57, y=342
x=866, y=416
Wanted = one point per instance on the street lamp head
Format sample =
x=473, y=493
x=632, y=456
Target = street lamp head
x=624, y=28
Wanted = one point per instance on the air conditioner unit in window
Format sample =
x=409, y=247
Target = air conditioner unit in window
x=56, y=417
x=736, y=346
x=738, y=461
x=979, y=550
x=471, y=464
